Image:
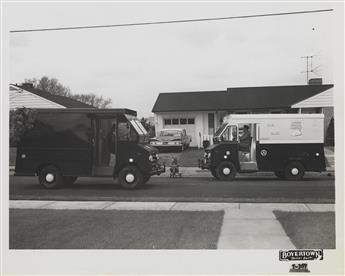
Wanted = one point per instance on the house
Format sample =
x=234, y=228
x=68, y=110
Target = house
x=27, y=96
x=201, y=113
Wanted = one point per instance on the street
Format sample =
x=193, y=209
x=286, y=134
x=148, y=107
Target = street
x=315, y=188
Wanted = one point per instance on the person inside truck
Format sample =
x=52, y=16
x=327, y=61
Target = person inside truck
x=245, y=140
x=111, y=145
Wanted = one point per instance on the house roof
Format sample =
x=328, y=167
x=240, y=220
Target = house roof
x=62, y=100
x=237, y=98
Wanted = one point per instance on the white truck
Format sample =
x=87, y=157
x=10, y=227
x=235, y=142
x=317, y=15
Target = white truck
x=286, y=144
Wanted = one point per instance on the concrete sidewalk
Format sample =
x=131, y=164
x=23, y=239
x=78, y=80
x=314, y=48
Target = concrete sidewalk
x=197, y=172
x=245, y=225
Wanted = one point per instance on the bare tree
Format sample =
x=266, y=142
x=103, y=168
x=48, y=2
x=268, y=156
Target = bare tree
x=93, y=100
x=53, y=86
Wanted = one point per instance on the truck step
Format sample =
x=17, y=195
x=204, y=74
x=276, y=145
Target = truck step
x=248, y=166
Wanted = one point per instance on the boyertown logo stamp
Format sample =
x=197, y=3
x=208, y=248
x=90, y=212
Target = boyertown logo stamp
x=301, y=255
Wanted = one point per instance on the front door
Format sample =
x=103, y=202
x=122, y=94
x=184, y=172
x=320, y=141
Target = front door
x=104, y=143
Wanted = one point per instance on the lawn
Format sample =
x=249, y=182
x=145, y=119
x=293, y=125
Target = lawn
x=309, y=230
x=113, y=229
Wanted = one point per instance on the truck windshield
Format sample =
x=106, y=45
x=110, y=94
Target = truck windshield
x=140, y=128
x=220, y=129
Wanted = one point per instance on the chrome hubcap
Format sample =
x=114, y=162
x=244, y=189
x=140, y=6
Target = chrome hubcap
x=294, y=171
x=130, y=178
x=226, y=171
x=50, y=177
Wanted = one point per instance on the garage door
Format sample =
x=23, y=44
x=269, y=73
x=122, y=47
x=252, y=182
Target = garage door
x=187, y=124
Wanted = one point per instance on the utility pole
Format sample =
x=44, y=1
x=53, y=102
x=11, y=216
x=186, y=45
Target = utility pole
x=311, y=66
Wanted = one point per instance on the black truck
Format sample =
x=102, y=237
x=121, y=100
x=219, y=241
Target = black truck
x=65, y=144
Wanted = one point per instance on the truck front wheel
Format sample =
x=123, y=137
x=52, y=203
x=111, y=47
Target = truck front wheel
x=50, y=177
x=131, y=178
x=294, y=171
x=226, y=171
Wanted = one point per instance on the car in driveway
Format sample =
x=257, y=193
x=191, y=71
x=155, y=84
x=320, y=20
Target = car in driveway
x=176, y=138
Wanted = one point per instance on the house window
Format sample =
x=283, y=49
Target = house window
x=183, y=121
x=175, y=121
x=167, y=121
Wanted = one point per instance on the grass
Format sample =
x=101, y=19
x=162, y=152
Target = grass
x=309, y=230
x=113, y=229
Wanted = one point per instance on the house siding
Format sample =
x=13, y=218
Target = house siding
x=22, y=98
x=324, y=99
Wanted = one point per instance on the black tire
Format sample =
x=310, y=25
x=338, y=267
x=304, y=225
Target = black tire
x=280, y=174
x=294, y=171
x=226, y=171
x=50, y=177
x=146, y=178
x=131, y=178
x=68, y=180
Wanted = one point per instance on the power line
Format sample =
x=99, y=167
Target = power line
x=170, y=22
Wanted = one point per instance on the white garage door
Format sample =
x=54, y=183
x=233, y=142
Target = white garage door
x=187, y=123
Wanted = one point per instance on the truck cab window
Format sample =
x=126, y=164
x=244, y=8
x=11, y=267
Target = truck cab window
x=230, y=134
x=126, y=132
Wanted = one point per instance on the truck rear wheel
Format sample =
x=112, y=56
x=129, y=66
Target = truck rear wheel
x=226, y=171
x=294, y=171
x=50, y=177
x=131, y=178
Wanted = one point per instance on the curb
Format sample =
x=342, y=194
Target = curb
x=248, y=208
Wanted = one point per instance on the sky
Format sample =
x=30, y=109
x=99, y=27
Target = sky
x=132, y=65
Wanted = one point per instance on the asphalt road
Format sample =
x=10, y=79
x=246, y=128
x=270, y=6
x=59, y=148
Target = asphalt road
x=313, y=189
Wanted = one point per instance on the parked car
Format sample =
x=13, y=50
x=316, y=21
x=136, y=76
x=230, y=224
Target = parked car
x=171, y=138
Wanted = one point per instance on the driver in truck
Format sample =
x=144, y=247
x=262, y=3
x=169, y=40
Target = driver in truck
x=245, y=139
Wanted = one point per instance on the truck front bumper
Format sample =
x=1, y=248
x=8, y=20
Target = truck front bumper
x=157, y=168
x=204, y=163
